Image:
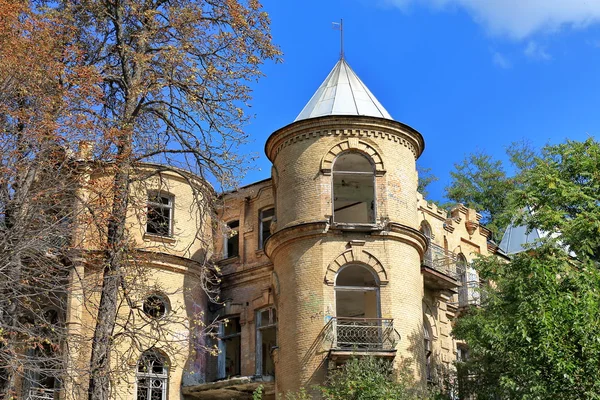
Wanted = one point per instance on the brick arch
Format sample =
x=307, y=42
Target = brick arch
x=355, y=145
x=355, y=256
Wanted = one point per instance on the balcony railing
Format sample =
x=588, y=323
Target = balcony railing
x=362, y=334
x=42, y=394
x=443, y=261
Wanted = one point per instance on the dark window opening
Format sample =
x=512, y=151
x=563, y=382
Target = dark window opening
x=155, y=306
x=353, y=190
x=160, y=214
x=266, y=341
x=265, y=218
x=233, y=239
x=230, y=348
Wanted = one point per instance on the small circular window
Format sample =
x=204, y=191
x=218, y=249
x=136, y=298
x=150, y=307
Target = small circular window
x=155, y=306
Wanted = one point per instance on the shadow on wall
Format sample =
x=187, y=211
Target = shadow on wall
x=196, y=307
x=429, y=367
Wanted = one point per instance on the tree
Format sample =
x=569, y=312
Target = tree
x=174, y=79
x=426, y=178
x=536, y=335
x=41, y=89
x=170, y=80
x=481, y=182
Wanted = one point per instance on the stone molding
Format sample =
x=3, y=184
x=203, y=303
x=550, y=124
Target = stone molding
x=352, y=144
x=344, y=126
x=355, y=256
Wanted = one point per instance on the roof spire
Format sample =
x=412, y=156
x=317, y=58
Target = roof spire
x=340, y=27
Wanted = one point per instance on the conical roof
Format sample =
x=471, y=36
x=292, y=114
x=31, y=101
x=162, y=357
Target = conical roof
x=343, y=93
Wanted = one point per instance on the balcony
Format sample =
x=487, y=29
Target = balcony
x=352, y=336
x=441, y=269
x=42, y=394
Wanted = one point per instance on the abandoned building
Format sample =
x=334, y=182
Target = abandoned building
x=336, y=254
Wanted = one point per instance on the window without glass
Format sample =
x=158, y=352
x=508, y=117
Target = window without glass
x=230, y=348
x=232, y=249
x=152, y=377
x=160, y=214
x=353, y=189
x=155, y=306
x=266, y=340
x=265, y=218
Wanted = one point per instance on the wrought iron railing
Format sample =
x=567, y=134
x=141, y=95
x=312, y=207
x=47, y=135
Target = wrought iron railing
x=443, y=261
x=362, y=334
x=42, y=394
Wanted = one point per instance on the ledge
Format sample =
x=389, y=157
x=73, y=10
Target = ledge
x=159, y=238
x=240, y=388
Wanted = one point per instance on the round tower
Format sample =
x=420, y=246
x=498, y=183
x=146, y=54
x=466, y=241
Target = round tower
x=346, y=248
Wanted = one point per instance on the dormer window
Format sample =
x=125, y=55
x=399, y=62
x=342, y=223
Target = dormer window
x=159, y=220
x=353, y=189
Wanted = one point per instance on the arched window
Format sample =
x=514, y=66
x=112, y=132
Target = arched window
x=426, y=231
x=357, y=308
x=469, y=290
x=152, y=377
x=353, y=189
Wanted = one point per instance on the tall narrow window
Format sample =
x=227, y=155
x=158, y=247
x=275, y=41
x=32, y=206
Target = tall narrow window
x=266, y=340
x=469, y=290
x=230, y=348
x=152, y=377
x=159, y=220
x=428, y=258
x=427, y=336
x=353, y=189
x=232, y=248
x=265, y=218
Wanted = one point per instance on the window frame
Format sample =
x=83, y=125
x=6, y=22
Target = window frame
x=165, y=301
x=373, y=174
x=260, y=327
x=221, y=366
x=169, y=206
x=227, y=238
x=151, y=376
x=261, y=237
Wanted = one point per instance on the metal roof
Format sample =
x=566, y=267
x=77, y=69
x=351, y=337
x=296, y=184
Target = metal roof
x=342, y=93
x=518, y=238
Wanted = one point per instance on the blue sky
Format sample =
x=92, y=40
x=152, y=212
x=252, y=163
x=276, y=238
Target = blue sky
x=470, y=75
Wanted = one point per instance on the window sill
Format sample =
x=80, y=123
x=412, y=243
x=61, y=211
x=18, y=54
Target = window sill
x=159, y=238
x=229, y=260
x=359, y=227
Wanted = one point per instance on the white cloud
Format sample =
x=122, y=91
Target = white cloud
x=519, y=19
x=501, y=61
x=536, y=52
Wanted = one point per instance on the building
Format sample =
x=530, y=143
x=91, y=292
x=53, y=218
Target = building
x=336, y=254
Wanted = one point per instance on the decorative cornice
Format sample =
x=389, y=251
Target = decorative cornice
x=345, y=126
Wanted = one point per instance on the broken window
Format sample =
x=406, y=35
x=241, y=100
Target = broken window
x=230, y=348
x=160, y=214
x=265, y=218
x=232, y=248
x=353, y=189
x=266, y=341
x=152, y=377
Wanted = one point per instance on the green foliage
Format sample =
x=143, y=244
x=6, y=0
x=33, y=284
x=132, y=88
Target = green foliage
x=537, y=336
x=258, y=393
x=367, y=378
x=426, y=178
x=481, y=182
